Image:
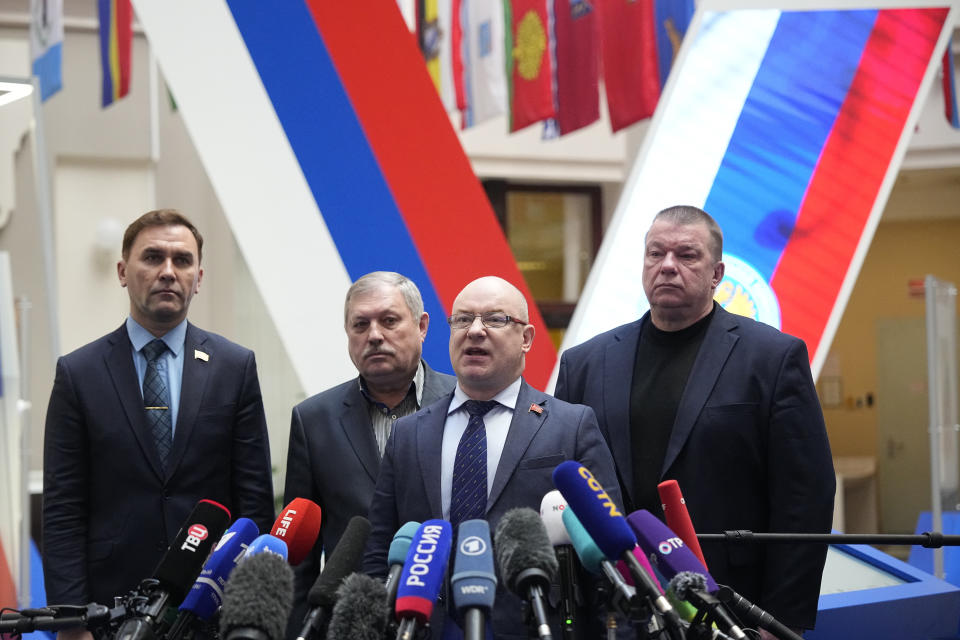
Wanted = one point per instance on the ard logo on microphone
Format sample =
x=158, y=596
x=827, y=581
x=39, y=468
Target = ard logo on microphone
x=473, y=546
x=668, y=545
x=599, y=493
x=426, y=547
x=196, y=534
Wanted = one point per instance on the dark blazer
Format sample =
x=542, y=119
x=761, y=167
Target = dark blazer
x=333, y=460
x=109, y=512
x=409, y=484
x=748, y=448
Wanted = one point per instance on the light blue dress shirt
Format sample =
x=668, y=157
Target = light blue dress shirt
x=497, y=425
x=170, y=363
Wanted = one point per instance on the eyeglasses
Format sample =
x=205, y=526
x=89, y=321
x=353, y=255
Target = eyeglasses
x=490, y=319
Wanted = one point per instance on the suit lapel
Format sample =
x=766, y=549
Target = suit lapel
x=119, y=361
x=433, y=390
x=618, y=379
x=523, y=427
x=196, y=371
x=355, y=422
x=716, y=348
x=429, y=443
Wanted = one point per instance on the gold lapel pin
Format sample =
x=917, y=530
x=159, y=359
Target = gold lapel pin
x=200, y=355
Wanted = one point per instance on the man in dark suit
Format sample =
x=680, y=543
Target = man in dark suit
x=724, y=405
x=337, y=437
x=143, y=423
x=429, y=468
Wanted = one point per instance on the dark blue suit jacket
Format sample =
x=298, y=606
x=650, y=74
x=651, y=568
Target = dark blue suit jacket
x=409, y=484
x=749, y=449
x=333, y=460
x=108, y=510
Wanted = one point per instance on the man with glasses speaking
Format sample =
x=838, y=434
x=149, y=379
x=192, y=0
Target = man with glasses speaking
x=488, y=447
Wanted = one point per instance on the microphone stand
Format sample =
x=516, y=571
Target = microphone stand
x=928, y=540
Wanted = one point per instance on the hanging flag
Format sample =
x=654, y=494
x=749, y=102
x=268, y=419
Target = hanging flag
x=950, y=89
x=434, y=35
x=530, y=78
x=485, y=82
x=577, y=70
x=456, y=54
x=116, y=38
x=638, y=41
x=46, y=44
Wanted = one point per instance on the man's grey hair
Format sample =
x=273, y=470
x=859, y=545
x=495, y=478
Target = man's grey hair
x=686, y=214
x=377, y=279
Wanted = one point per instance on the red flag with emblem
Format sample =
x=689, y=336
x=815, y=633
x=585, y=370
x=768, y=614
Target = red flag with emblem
x=530, y=74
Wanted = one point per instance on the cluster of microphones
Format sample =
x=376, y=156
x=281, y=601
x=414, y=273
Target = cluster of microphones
x=216, y=582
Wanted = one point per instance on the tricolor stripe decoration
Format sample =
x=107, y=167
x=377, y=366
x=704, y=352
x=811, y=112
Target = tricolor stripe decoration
x=950, y=88
x=332, y=156
x=116, y=38
x=788, y=127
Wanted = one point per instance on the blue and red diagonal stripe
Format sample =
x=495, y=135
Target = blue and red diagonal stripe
x=385, y=167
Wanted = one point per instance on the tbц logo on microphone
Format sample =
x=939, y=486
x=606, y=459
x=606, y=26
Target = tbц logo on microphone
x=196, y=534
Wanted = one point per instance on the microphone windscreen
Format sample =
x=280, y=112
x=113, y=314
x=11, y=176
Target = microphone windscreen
x=594, y=508
x=685, y=581
x=551, y=512
x=259, y=595
x=184, y=559
x=678, y=517
x=423, y=570
x=474, y=579
x=587, y=550
x=344, y=560
x=361, y=611
x=666, y=548
x=206, y=594
x=401, y=543
x=520, y=542
x=267, y=543
x=298, y=525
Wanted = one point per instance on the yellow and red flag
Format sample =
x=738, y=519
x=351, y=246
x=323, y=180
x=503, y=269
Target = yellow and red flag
x=529, y=68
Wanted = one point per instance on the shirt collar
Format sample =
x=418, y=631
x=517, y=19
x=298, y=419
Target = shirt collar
x=416, y=384
x=140, y=337
x=507, y=397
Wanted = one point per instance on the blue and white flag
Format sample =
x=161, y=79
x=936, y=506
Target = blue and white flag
x=46, y=44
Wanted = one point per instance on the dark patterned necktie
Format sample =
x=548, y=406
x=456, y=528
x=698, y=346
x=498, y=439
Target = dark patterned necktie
x=156, y=400
x=468, y=496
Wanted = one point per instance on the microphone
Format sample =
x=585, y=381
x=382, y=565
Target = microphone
x=691, y=587
x=606, y=525
x=396, y=556
x=678, y=518
x=759, y=617
x=673, y=557
x=57, y=617
x=474, y=581
x=624, y=596
x=267, y=543
x=258, y=599
x=422, y=576
x=527, y=562
x=361, y=611
x=552, y=508
x=206, y=594
x=298, y=525
x=177, y=570
x=342, y=562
